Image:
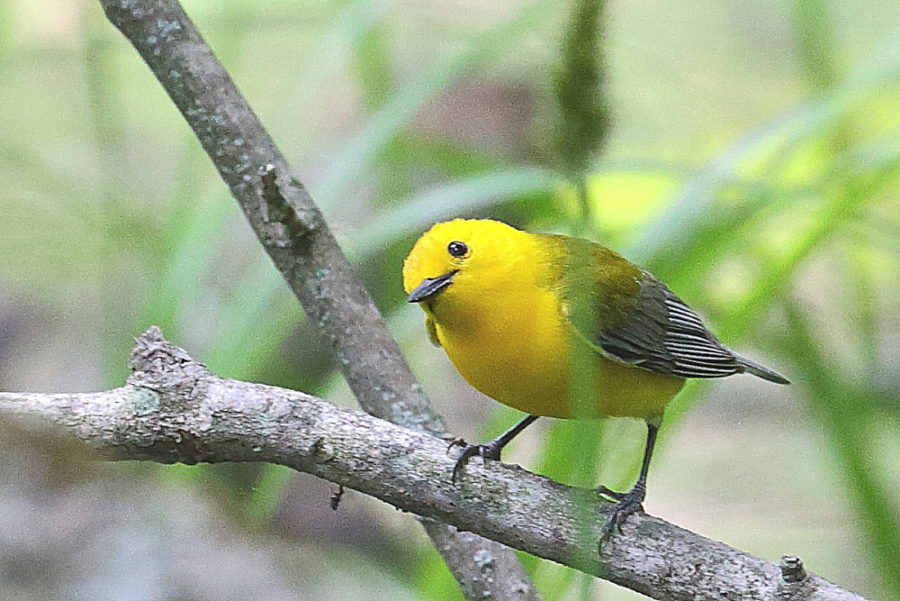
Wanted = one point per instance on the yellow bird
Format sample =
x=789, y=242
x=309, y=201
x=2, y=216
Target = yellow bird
x=511, y=309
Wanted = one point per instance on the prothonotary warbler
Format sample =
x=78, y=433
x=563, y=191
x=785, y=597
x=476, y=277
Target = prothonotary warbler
x=503, y=304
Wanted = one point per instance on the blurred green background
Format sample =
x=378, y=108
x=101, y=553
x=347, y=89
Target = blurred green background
x=752, y=162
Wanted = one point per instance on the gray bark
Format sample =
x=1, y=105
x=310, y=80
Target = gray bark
x=173, y=410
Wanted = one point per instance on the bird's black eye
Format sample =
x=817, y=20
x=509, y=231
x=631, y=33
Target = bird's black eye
x=457, y=249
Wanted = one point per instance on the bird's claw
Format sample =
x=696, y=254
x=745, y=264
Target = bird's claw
x=626, y=504
x=610, y=493
x=485, y=451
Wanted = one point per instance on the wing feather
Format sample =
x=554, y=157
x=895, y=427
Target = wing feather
x=657, y=332
x=663, y=335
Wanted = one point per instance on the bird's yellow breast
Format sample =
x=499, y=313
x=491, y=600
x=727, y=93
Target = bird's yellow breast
x=508, y=338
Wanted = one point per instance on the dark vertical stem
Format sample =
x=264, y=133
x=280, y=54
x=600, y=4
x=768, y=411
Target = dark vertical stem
x=583, y=109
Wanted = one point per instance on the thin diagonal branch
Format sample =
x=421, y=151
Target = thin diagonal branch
x=173, y=410
x=296, y=237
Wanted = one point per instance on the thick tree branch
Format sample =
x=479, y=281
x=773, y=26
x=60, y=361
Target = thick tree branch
x=173, y=410
x=295, y=235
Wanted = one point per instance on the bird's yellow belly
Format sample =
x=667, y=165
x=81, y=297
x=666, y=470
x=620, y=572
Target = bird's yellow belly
x=522, y=359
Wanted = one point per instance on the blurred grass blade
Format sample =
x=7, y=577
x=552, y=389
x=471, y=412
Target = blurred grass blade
x=661, y=246
x=861, y=276
x=189, y=249
x=255, y=321
x=450, y=200
x=845, y=412
x=38, y=174
x=773, y=280
x=372, y=58
x=814, y=34
x=334, y=47
x=361, y=152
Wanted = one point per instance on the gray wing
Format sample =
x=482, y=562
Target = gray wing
x=665, y=336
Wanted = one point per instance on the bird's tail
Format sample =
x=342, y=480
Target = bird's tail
x=761, y=372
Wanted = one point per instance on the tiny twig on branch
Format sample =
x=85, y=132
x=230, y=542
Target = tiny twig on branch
x=296, y=237
x=173, y=410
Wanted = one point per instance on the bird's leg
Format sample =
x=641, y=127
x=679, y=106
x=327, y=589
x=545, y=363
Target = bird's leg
x=490, y=450
x=629, y=502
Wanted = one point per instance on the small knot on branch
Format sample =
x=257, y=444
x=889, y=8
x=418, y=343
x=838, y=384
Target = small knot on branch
x=792, y=569
x=278, y=210
x=159, y=365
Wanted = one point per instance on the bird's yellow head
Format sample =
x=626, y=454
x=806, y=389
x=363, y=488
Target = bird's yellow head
x=460, y=254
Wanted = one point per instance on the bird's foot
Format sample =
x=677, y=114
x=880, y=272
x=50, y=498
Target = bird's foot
x=485, y=451
x=626, y=504
x=610, y=493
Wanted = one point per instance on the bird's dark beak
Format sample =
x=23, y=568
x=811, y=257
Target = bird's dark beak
x=429, y=287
